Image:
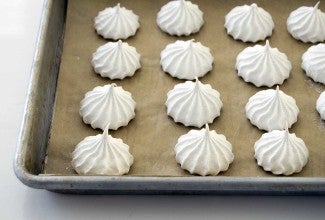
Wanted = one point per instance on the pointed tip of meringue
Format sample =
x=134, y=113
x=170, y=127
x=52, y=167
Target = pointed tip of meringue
x=105, y=132
x=207, y=130
x=267, y=45
x=118, y=5
x=277, y=88
x=286, y=131
x=190, y=43
x=254, y=5
x=207, y=127
x=119, y=43
x=317, y=5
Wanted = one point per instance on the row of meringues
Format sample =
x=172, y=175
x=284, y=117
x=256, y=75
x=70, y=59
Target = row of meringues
x=202, y=151
x=260, y=65
x=248, y=23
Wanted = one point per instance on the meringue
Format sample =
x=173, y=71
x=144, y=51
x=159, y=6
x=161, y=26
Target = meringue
x=102, y=155
x=107, y=105
x=313, y=62
x=320, y=105
x=281, y=152
x=186, y=59
x=249, y=23
x=272, y=110
x=116, y=23
x=307, y=24
x=204, y=152
x=263, y=65
x=116, y=60
x=180, y=17
x=193, y=103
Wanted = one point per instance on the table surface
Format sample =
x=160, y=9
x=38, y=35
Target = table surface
x=19, y=22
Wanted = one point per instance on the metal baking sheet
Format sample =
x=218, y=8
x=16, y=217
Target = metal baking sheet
x=43, y=155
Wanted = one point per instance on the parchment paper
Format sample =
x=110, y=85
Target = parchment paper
x=152, y=135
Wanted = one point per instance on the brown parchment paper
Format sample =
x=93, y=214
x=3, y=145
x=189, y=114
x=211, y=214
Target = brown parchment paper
x=152, y=135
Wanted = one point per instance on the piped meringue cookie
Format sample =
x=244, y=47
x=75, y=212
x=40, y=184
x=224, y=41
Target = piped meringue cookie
x=102, y=155
x=193, y=103
x=313, y=62
x=180, y=17
x=320, y=105
x=204, y=152
x=186, y=59
x=272, y=110
x=249, y=23
x=108, y=105
x=281, y=152
x=263, y=65
x=116, y=23
x=307, y=24
x=116, y=60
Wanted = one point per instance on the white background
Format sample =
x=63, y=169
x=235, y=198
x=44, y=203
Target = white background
x=19, y=23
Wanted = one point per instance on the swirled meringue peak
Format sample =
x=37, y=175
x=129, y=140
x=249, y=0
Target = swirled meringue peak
x=108, y=105
x=204, y=152
x=193, y=103
x=116, y=23
x=280, y=152
x=263, y=65
x=249, y=23
x=307, y=24
x=186, y=59
x=180, y=17
x=313, y=62
x=116, y=60
x=320, y=105
x=272, y=110
x=102, y=155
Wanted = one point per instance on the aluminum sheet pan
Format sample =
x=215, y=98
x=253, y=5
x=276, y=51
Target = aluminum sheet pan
x=151, y=135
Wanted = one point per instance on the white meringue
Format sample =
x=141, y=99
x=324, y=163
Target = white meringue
x=263, y=65
x=116, y=60
x=102, y=155
x=272, y=110
x=249, y=23
x=116, y=23
x=107, y=105
x=307, y=24
x=281, y=152
x=186, y=59
x=313, y=62
x=204, y=152
x=320, y=105
x=193, y=103
x=180, y=17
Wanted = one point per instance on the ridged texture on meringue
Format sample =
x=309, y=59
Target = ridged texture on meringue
x=272, y=110
x=263, y=65
x=320, y=105
x=249, y=23
x=102, y=155
x=204, y=152
x=180, y=17
x=107, y=105
x=186, y=59
x=116, y=23
x=313, y=62
x=193, y=103
x=307, y=24
x=116, y=60
x=281, y=152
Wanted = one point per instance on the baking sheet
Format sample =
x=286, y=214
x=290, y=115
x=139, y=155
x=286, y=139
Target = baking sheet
x=152, y=135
